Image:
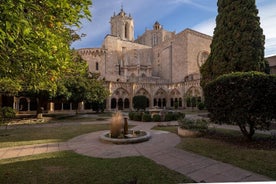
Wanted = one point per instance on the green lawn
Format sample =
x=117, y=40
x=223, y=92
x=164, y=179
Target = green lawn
x=68, y=167
x=228, y=146
x=45, y=134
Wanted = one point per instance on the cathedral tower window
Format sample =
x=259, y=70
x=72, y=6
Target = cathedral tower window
x=126, y=30
x=97, y=66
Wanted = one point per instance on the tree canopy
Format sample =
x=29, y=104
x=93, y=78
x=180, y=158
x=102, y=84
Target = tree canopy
x=238, y=41
x=246, y=99
x=140, y=102
x=35, y=40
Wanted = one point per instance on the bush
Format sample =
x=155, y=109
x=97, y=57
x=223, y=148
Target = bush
x=169, y=116
x=146, y=117
x=131, y=115
x=7, y=113
x=156, y=118
x=200, y=125
x=137, y=116
x=246, y=99
x=140, y=102
x=200, y=106
x=179, y=116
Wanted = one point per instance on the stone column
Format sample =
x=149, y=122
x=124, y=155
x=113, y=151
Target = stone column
x=29, y=101
x=52, y=107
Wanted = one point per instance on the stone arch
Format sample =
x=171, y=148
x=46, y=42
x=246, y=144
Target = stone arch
x=120, y=99
x=176, y=99
x=120, y=93
x=160, y=98
x=126, y=103
x=144, y=92
x=193, y=91
x=23, y=104
x=193, y=94
x=113, y=103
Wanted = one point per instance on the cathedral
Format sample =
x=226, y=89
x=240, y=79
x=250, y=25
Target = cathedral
x=159, y=64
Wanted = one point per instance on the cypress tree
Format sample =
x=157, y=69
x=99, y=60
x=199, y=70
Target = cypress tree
x=238, y=41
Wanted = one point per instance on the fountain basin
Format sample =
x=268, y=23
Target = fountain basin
x=128, y=139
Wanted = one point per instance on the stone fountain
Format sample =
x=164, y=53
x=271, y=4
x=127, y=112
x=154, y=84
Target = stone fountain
x=120, y=134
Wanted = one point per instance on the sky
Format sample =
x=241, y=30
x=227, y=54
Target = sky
x=173, y=15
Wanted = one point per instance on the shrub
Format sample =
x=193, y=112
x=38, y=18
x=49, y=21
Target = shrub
x=200, y=106
x=137, y=116
x=156, y=118
x=169, y=116
x=131, y=115
x=200, y=125
x=245, y=99
x=7, y=113
x=179, y=116
x=140, y=102
x=146, y=117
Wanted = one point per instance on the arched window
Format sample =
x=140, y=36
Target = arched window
x=126, y=30
x=113, y=103
x=97, y=66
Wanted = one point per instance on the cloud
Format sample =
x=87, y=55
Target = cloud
x=206, y=27
x=146, y=12
x=267, y=15
x=196, y=3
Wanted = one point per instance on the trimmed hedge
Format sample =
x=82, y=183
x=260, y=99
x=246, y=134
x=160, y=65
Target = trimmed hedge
x=200, y=125
x=7, y=113
x=200, y=106
x=131, y=115
x=156, y=118
x=146, y=117
x=244, y=99
x=137, y=116
x=169, y=117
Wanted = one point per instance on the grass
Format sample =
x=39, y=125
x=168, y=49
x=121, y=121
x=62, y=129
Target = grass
x=68, y=167
x=45, y=134
x=172, y=129
x=258, y=161
x=229, y=146
x=79, y=117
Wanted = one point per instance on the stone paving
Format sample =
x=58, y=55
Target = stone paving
x=160, y=148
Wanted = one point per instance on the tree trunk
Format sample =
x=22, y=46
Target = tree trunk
x=246, y=133
x=39, y=108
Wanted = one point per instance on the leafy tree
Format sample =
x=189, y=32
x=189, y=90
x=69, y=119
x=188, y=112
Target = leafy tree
x=35, y=41
x=245, y=99
x=140, y=102
x=9, y=86
x=79, y=85
x=238, y=41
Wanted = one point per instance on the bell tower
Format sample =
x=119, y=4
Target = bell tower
x=122, y=26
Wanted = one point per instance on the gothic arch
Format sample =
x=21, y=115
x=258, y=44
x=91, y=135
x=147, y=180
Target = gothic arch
x=176, y=99
x=143, y=91
x=194, y=91
x=120, y=93
x=160, y=98
x=160, y=93
x=120, y=99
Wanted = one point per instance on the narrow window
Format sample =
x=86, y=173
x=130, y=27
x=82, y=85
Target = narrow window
x=97, y=66
x=126, y=30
